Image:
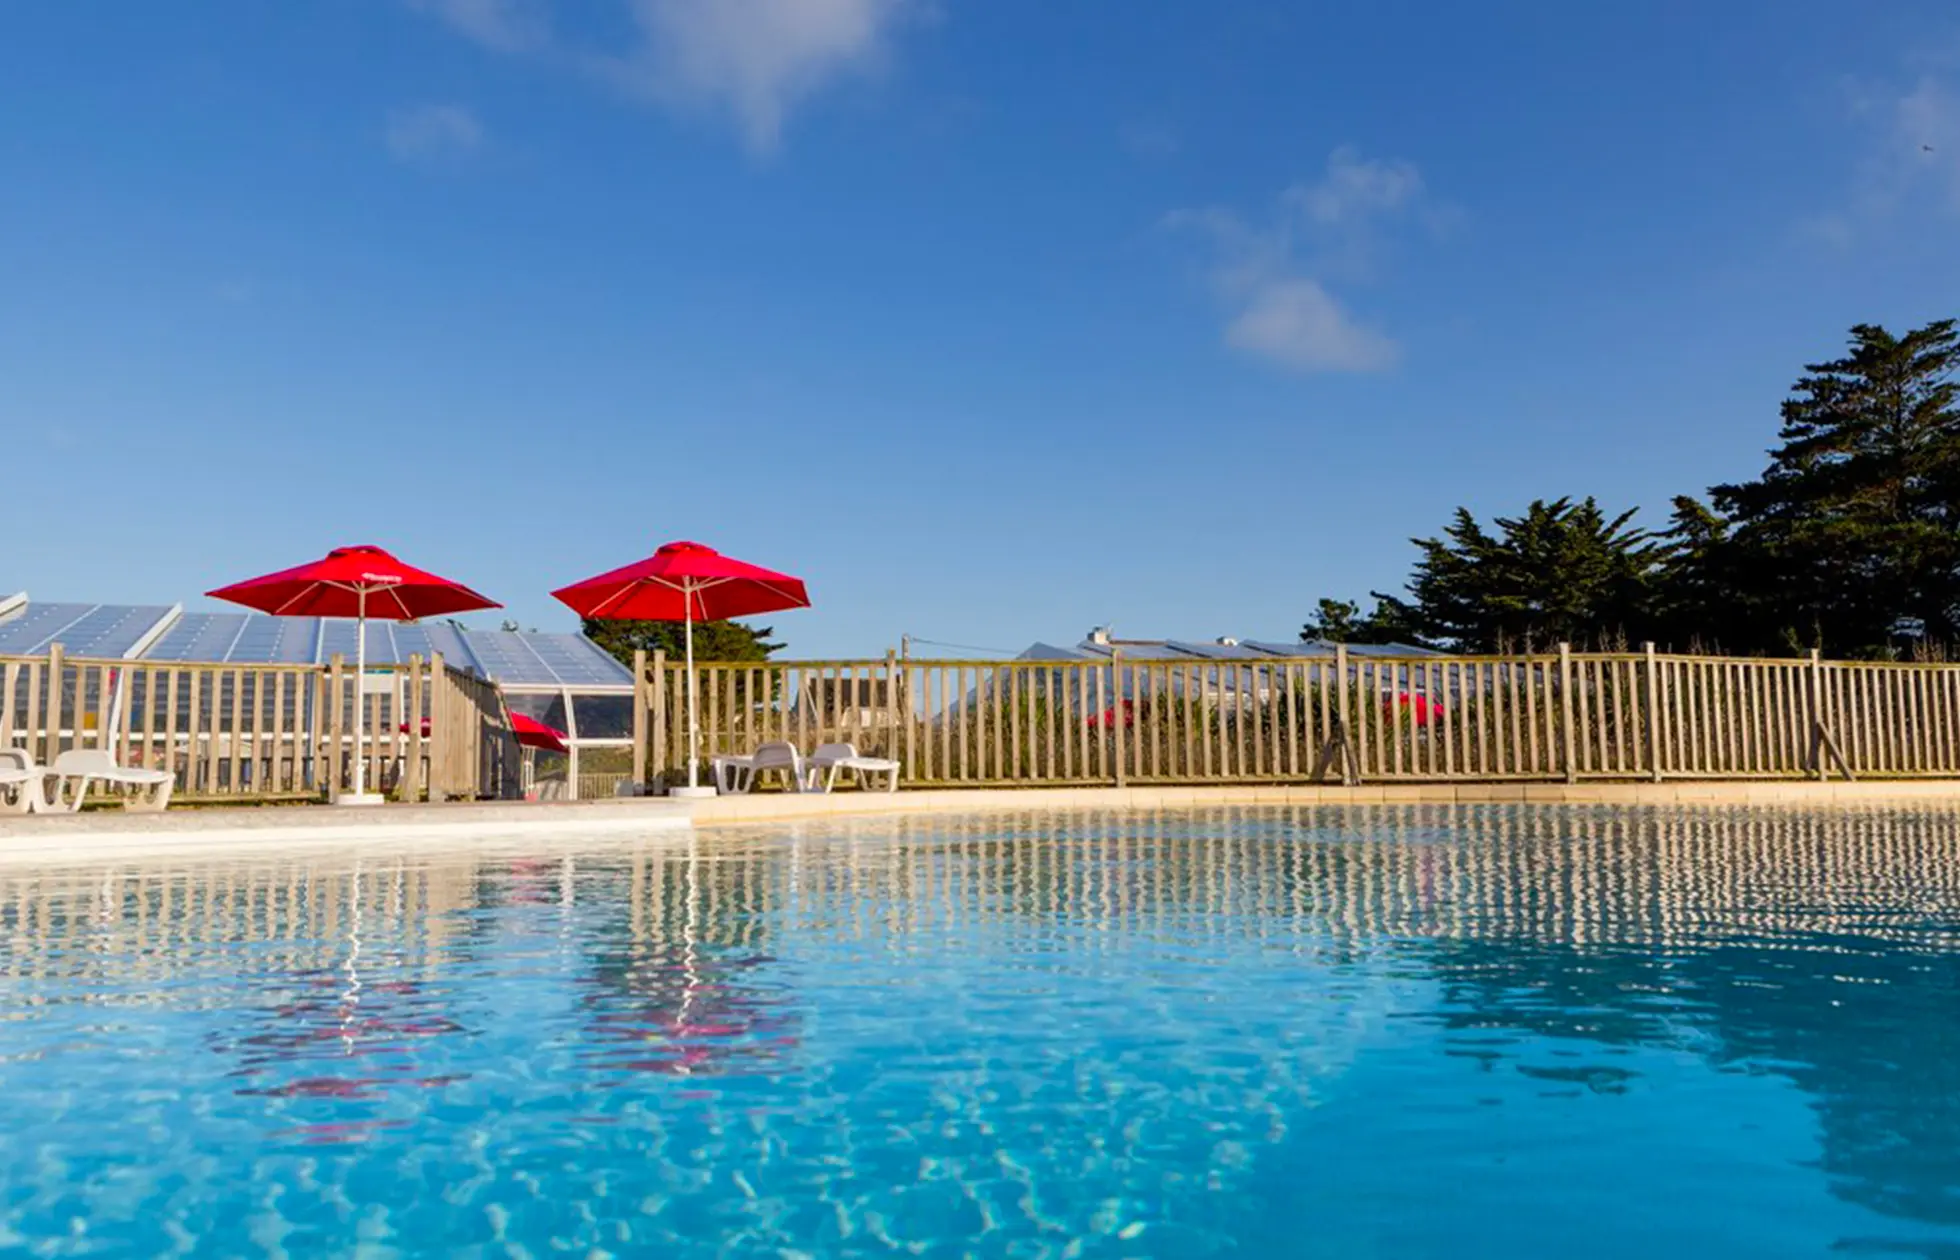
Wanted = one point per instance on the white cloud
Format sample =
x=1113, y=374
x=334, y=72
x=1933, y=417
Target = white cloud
x=505, y=25
x=432, y=134
x=1295, y=323
x=1352, y=190
x=754, y=60
x=1911, y=160
x=1926, y=124
x=1272, y=278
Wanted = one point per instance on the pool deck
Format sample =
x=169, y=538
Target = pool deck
x=111, y=834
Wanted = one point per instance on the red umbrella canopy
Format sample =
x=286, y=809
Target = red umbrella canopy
x=335, y=585
x=684, y=581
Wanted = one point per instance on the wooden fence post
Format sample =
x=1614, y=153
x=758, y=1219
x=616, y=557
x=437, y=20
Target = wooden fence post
x=1814, y=697
x=891, y=749
x=1339, y=746
x=53, y=712
x=1651, y=697
x=642, y=697
x=1119, y=714
x=657, y=686
x=442, y=741
x=1350, y=764
x=1568, y=742
x=1822, y=742
x=411, y=789
x=336, y=722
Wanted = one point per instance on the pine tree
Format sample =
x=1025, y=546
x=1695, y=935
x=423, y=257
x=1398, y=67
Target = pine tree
x=1850, y=532
x=713, y=640
x=1562, y=572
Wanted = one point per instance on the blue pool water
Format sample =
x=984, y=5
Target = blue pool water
x=1337, y=1032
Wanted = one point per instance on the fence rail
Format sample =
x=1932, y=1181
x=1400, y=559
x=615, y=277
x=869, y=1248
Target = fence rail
x=266, y=732
x=1354, y=718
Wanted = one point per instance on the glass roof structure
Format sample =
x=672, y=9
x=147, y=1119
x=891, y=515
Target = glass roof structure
x=515, y=660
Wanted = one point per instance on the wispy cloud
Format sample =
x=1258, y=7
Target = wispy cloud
x=505, y=25
x=1911, y=159
x=1927, y=129
x=755, y=61
x=1272, y=276
x=433, y=134
x=1153, y=141
x=1298, y=324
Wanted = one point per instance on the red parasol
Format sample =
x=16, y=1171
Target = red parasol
x=355, y=582
x=684, y=582
x=358, y=582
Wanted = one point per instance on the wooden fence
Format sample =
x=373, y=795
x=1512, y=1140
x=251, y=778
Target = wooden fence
x=267, y=732
x=1352, y=718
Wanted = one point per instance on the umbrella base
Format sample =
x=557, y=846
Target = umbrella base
x=691, y=793
x=360, y=798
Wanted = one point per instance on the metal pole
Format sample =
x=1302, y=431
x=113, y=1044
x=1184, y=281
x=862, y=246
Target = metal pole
x=360, y=683
x=693, y=730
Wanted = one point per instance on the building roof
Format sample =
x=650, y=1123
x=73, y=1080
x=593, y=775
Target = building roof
x=513, y=659
x=1100, y=647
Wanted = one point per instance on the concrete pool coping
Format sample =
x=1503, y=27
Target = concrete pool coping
x=112, y=834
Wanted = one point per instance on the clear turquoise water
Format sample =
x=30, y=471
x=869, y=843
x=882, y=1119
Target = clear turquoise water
x=1465, y=1033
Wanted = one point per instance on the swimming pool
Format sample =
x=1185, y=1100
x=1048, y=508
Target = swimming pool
x=1470, y=1031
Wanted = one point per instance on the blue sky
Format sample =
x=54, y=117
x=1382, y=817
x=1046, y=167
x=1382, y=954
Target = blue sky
x=992, y=320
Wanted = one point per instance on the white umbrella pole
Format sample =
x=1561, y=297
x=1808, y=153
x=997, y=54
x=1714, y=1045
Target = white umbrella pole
x=360, y=683
x=693, y=730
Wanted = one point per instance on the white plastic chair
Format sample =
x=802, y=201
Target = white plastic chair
x=735, y=776
x=22, y=789
x=830, y=758
x=75, y=769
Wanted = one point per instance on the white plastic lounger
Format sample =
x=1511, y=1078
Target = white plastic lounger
x=830, y=758
x=21, y=783
x=75, y=769
x=735, y=776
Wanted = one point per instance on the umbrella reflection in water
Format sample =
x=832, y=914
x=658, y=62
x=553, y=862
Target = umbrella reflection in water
x=345, y=1037
x=690, y=1005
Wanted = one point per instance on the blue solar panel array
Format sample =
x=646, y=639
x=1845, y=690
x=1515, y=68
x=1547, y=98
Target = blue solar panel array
x=509, y=658
x=91, y=630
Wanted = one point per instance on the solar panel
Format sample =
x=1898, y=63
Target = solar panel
x=505, y=659
x=1319, y=647
x=1049, y=652
x=1219, y=651
x=429, y=639
x=197, y=637
x=96, y=630
x=112, y=630
x=575, y=659
x=545, y=660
